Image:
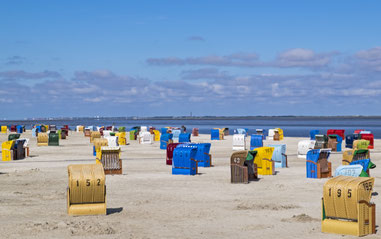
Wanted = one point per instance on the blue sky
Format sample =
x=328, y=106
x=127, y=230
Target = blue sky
x=147, y=58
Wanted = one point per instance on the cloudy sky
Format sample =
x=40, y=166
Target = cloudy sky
x=148, y=58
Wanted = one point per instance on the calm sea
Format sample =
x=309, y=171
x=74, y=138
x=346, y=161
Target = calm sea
x=292, y=126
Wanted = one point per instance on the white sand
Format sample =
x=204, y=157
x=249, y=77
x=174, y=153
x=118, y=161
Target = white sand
x=147, y=201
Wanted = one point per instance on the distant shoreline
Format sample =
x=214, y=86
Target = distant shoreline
x=199, y=118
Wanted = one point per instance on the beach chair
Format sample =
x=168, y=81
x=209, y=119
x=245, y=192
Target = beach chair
x=271, y=134
x=313, y=133
x=94, y=135
x=359, y=156
x=361, y=144
x=304, y=146
x=98, y=143
x=19, y=129
x=52, y=128
x=226, y=131
x=26, y=146
x=54, y=139
x=156, y=134
x=18, y=149
x=256, y=141
x=176, y=134
x=278, y=134
x=86, y=193
x=349, y=170
x=184, y=162
x=264, y=162
x=42, y=139
x=87, y=132
x=13, y=128
x=242, y=167
x=165, y=139
x=122, y=140
x=369, y=137
x=215, y=134
x=321, y=141
x=170, y=149
x=334, y=142
x=339, y=132
x=6, y=150
x=145, y=138
x=279, y=155
x=132, y=135
x=184, y=138
x=203, y=158
x=317, y=165
x=34, y=132
x=346, y=206
x=80, y=128
x=112, y=141
x=195, y=131
x=239, y=142
x=4, y=129
x=349, y=140
x=110, y=159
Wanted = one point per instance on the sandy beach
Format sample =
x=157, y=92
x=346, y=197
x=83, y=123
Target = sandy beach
x=147, y=201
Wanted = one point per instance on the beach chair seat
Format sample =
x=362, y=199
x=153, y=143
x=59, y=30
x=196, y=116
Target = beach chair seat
x=184, y=161
x=42, y=139
x=184, y=138
x=271, y=134
x=94, y=135
x=80, y=128
x=256, y=141
x=346, y=206
x=98, y=143
x=304, y=146
x=54, y=139
x=112, y=141
x=87, y=132
x=279, y=155
x=334, y=142
x=349, y=170
x=13, y=128
x=321, y=141
x=278, y=134
x=317, y=164
x=239, y=142
x=264, y=162
x=7, y=150
x=110, y=159
x=165, y=139
x=86, y=193
x=215, y=134
x=170, y=148
x=242, y=167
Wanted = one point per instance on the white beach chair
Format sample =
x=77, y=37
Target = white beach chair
x=304, y=146
x=239, y=142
